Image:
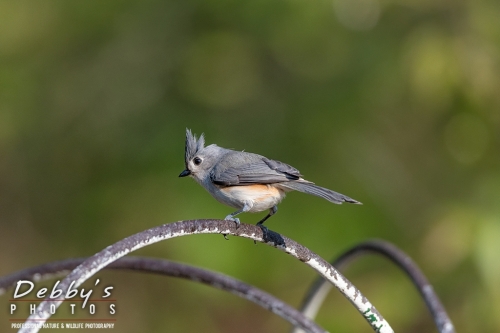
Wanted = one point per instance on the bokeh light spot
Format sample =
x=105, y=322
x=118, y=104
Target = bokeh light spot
x=449, y=240
x=432, y=67
x=357, y=14
x=487, y=252
x=23, y=24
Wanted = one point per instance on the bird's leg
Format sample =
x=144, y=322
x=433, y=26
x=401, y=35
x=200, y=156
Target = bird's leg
x=231, y=217
x=272, y=211
x=260, y=224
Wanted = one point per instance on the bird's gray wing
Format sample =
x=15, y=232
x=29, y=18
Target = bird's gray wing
x=252, y=169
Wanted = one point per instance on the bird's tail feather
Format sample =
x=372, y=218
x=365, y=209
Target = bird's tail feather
x=311, y=188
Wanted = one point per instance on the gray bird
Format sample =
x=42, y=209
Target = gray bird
x=246, y=181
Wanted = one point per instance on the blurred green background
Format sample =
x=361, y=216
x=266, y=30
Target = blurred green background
x=394, y=103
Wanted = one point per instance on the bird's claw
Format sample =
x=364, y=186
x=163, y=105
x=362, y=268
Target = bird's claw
x=234, y=219
x=265, y=232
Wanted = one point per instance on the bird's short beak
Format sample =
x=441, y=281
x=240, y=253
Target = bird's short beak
x=185, y=173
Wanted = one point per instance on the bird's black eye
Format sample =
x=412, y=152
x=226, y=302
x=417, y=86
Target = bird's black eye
x=197, y=160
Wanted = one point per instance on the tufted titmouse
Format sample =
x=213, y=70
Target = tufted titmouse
x=246, y=181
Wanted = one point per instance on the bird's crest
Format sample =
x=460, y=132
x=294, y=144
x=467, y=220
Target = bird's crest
x=193, y=145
